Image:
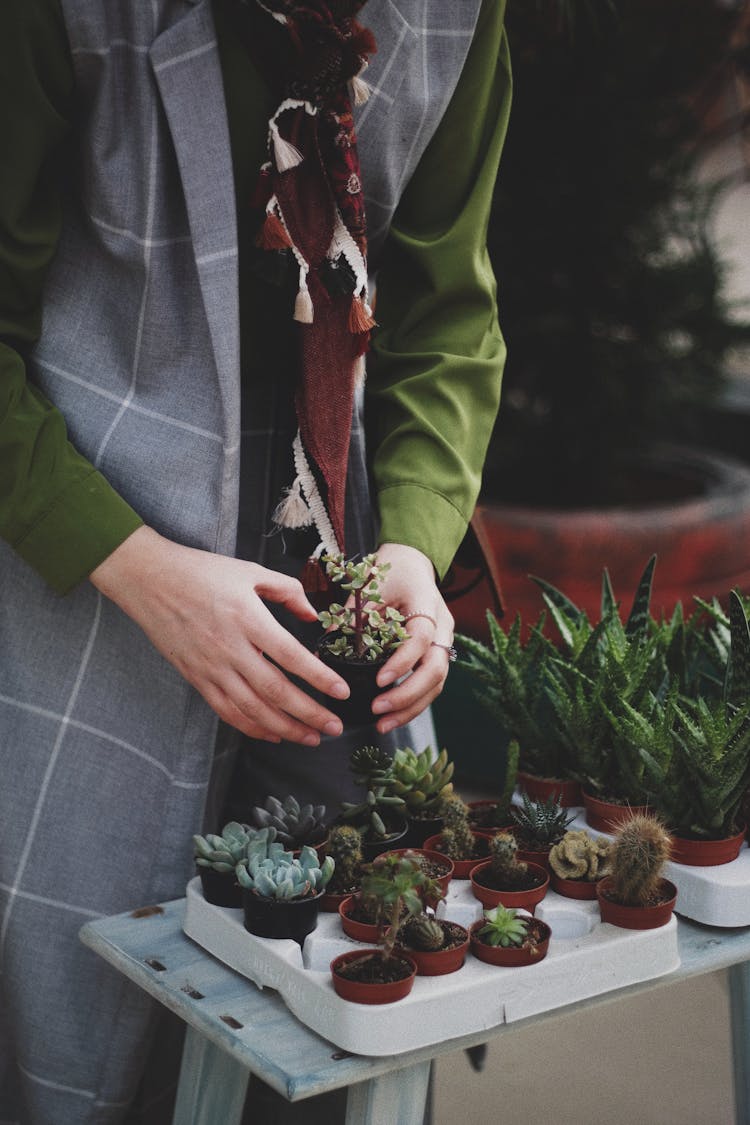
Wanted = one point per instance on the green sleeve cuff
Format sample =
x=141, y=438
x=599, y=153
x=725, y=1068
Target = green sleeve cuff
x=420, y=517
x=85, y=525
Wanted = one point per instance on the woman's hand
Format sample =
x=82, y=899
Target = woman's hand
x=206, y=614
x=410, y=587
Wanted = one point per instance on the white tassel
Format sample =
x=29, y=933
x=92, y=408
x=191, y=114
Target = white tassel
x=292, y=511
x=359, y=90
x=360, y=369
x=287, y=156
x=303, y=306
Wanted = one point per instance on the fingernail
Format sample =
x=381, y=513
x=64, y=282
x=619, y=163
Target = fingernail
x=340, y=690
x=380, y=706
x=333, y=727
x=311, y=740
x=387, y=725
x=384, y=679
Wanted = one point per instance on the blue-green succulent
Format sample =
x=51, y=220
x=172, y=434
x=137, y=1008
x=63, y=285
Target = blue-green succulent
x=223, y=853
x=272, y=872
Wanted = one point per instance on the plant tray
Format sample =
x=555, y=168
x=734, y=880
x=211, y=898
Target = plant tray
x=714, y=896
x=585, y=958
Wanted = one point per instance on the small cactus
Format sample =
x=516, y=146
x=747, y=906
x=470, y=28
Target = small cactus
x=457, y=838
x=507, y=870
x=423, y=933
x=345, y=846
x=580, y=856
x=639, y=851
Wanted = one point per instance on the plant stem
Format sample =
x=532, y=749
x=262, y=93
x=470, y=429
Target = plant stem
x=359, y=647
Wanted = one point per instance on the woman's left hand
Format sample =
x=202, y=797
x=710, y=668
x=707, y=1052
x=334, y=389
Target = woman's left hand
x=410, y=587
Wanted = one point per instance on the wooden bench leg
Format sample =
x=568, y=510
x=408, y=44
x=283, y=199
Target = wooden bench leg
x=739, y=1004
x=399, y=1096
x=212, y=1084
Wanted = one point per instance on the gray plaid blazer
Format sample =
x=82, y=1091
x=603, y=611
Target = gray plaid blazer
x=107, y=754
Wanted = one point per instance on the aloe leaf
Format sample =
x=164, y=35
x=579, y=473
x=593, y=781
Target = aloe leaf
x=640, y=613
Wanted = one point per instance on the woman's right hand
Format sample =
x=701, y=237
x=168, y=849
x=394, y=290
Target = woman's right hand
x=206, y=614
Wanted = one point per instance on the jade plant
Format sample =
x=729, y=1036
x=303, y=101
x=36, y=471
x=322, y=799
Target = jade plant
x=640, y=849
x=580, y=855
x=540, y=824
x=395, y=888
x=223, y=853
x=373, y=816
x=271, y=872
x=422, y=781
x=295, y=824
x=365, y=630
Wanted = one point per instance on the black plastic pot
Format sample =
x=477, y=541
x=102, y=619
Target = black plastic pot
x=280, y=918
x=356, y=711
x=220, y=888
x=397, y=830
x=419, y=829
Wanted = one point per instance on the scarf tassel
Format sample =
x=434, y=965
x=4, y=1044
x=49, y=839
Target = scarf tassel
x=273, y=235
x=285, y=154
x=359, y=91
x=303, y=306
x=292, y=512
x=360, y=316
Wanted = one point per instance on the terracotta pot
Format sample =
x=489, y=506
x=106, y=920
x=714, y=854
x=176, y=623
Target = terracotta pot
x=540, y=858
x=434, y=857
x=439, y=962
x=566, y=792
x=519, y=900
x=331, y=901
x=362, y=992
x=220, y=888
x=636, y=917
x=581, y=889
x=476, y=807
x=280, y=918
x=509, y=956
x=360, y=931
x=356, y=711
x=706, y=853
x=462, y=868
x=606, y=816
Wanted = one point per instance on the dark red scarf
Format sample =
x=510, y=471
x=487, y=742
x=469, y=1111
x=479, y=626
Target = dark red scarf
x=312, y=54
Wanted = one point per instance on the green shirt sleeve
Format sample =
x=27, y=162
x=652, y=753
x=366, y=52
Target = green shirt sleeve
x=433, y=388
x=56, y=510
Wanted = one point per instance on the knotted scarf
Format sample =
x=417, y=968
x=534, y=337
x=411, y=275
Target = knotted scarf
x=312, y=54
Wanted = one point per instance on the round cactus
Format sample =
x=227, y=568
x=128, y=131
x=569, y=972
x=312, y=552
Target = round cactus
x=639, y=851
x=424, y=933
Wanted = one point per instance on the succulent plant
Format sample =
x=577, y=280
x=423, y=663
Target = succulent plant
x=503, y=926
x=295, y=824
x=639, y=851
x=272, y=872
x=507, y=869
x=457, y=839
x=580, y=856
x=423, y=932
x=394, y=886
x=541, y=823
x=362, y=632
x=421, y=780
x=222, y=853
x=371, y=767
x=345, y=846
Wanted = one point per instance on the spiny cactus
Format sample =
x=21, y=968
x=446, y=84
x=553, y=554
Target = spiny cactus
x=421, y=781
x=222, y=853
x=295, y=824
x=639, y=851
x=457, y=839
x=503, y=926
x=507, y=869
x=541, y=823
x=345, y=846
x=424, y=933
x=580, y=856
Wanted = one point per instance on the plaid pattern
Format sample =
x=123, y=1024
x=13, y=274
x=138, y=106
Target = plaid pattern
x=140, y=352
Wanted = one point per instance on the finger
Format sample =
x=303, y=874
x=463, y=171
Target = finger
x=265, y=681
x=404, y=715
x=219, y=702
x=260, y=715
x=427, y=679
x=292, y=656
x=287, y=591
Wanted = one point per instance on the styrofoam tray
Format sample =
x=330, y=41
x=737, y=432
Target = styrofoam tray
x=586, y=958
x=715, y=896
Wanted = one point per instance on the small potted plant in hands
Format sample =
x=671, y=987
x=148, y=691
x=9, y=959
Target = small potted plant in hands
x=395, y=889
x=359, y=636
x=281, y=892
x=506, y=937
x=635, y=895
x=380, y=818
